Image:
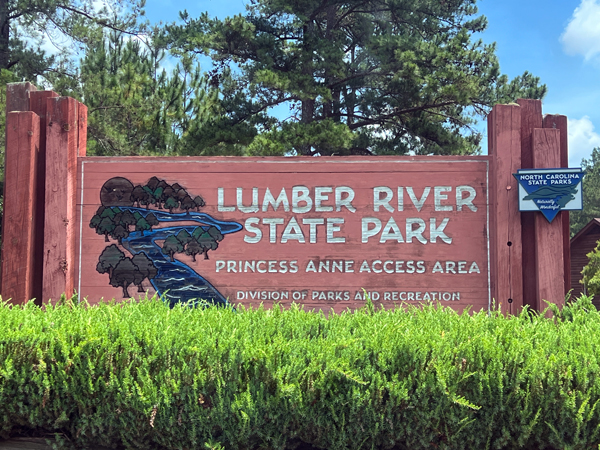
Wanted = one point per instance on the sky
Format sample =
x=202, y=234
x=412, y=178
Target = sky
x=556, y=40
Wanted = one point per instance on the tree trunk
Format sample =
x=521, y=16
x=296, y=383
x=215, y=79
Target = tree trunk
x=140, y=288
x=308, y=104
x=172, y=255
x=4, y=35
x=328, y=108
x=194, y=257
x=106, y=237
x=206, y=254
x=125, y=293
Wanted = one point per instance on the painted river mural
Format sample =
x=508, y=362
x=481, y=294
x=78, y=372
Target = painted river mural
x=134, y=220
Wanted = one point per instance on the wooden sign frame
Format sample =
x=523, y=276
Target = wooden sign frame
x=43, y=241
x=353, y=214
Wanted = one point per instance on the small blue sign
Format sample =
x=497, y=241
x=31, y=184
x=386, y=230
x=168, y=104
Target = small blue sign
x=550, y=190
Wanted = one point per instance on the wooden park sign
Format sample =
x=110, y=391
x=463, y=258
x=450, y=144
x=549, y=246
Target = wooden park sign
x=323, y=232
x=316, y=231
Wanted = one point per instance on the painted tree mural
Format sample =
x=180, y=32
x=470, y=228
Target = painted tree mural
x=109, y=258
x=172, y=246
x=123, y=275
x=145, y=270
x=126, y=213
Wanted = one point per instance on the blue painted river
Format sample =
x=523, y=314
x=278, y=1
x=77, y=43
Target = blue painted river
x=175, y=281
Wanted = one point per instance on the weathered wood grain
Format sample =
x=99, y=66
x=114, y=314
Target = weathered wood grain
x=19, y=233
x=17, y=96
x=504, y=134
x=17, y=99
x=61, y=172
x=560, y=123
x=230, y=164
x=531, y=117
x=468, y=229
x=82, y=123
x=549, y=236
x=38, y=104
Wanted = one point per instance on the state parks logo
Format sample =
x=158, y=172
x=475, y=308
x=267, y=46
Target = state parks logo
x=550, y=190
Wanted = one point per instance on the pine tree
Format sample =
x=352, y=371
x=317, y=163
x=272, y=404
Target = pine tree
x=591, y=193
x=135, y=107
x=24, y=24
x=359, y=77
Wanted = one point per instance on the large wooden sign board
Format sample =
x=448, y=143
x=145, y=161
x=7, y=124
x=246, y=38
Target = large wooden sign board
x=316, y=231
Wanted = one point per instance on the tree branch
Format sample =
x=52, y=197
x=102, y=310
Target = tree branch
x=100, y=22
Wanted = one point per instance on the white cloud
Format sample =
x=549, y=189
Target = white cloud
x=582, y=34
x=582, y=139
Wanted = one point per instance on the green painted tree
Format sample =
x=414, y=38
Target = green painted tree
x=109, y=258
x=105, y=227
x=128, y=219
x=107, y=212
x=199, y=202
x=146, y=270
x=140, y=196
x=142, y=225
x=187, y=203
x=198, y=231
x=207, y=242
x=119, y=233
x=172, y=246
x=193, y=248
x=591, y=193
x=184, y=237
x=359, y=77
x=95, y=221
x=123, y=275
x=171, y=204
x=152, y=220
x=215, y=233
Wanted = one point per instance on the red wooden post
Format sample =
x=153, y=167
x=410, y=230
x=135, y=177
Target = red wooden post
x=504, y=135
x=22, y=143
x=38, y=104
x=82, y=111
x=560, y=123
x=17, y=99
x=82, y=122
x=549, y=236
x=62, y=140
x=17, y=96
x=531, y=118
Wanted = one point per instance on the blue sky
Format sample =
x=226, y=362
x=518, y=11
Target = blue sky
x=557, y=40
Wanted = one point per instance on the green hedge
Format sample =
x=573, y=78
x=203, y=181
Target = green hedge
x=141, y=375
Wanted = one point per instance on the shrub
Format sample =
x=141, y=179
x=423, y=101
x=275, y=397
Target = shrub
x=141, y=375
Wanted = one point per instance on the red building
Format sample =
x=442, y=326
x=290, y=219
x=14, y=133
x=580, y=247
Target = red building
x=581, y=244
